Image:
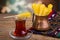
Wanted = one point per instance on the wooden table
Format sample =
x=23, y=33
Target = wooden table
x=6, y=25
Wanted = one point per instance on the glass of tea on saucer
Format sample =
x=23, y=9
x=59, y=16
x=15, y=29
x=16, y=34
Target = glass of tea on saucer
x=20, y=32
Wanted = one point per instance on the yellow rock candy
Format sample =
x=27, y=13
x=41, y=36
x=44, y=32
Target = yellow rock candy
x=45, y=11
x=42, y=6
x=50, y=6
x=24, y=15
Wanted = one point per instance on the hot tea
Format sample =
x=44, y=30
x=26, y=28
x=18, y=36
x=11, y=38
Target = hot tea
x=20, y=29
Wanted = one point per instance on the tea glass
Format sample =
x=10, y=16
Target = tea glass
x=20, y=32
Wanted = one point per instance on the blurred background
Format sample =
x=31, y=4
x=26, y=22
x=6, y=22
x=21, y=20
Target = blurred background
x=11, y=4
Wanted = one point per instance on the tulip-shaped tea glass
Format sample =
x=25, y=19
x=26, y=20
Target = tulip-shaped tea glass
x=20, y=32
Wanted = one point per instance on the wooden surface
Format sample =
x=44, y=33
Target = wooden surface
x=6, y=25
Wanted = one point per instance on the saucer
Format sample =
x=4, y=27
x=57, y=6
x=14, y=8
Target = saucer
x=29, y=34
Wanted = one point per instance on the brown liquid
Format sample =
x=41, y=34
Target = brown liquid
x=20, y=29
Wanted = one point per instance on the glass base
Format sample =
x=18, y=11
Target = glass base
x=20, y=38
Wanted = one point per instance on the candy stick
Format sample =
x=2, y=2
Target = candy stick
x=38, y=9
x=45, y=11
x=35, y=8
x=50, y=6
x=42, y=6
x=10, y=16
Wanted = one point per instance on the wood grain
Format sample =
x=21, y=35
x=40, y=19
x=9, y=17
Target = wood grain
x=6, y=25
